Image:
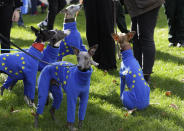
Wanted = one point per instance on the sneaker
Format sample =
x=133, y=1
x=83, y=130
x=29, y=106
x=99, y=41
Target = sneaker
x=172, y=44
x=180, y=45
x=42, y=24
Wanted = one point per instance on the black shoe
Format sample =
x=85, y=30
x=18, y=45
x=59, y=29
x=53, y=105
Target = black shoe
x=172, y=44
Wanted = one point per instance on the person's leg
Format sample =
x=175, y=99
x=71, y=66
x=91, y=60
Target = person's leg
x=170, y=11
x=120, y=18
x=54, y=7
x=33, y=7
x=136, y=44
x=90, y=9
x=105, y=29
x=5, y=25
x=180, y=23
x=147, y=23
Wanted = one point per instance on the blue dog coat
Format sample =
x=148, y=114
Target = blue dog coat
x=20, y=66
x=73, y=81
x=131, y=75
x=72, y=40
x=28, y=67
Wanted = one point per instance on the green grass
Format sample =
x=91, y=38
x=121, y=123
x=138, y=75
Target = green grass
x=105, y=111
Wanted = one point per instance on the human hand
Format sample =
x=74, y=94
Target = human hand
x=16, y=15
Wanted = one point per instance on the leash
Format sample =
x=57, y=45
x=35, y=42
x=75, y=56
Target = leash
x=9, y=42
x=115, y=30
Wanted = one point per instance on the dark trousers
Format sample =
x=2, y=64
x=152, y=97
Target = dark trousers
x=120, y=17
x=55, y=6
x=143, y=42
x=34, y=6
x=6, y=13
x=174, y=10
x=99, y=26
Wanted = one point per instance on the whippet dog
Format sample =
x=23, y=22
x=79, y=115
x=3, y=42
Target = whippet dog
x=20, y=66
x=137, y=97
x=75, y=80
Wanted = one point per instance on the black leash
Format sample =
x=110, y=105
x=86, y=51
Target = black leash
x=9, y=42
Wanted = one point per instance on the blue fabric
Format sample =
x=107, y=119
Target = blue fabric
x=74, y=82
x=72, y=40
x=131, y=75
x=24, y=8
x=20, y=66
x=49, y=55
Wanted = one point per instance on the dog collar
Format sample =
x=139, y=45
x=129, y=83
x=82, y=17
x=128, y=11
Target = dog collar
x=69, y=20
x=38, y=46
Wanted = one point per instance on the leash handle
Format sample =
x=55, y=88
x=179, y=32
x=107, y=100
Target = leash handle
x=9, y=42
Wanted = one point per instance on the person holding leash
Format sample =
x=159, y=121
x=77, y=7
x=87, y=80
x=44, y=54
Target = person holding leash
x=144, y=16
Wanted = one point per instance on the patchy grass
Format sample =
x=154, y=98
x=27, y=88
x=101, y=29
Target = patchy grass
x=105, y=111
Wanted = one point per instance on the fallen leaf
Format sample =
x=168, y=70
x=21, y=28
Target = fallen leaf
x=114, y=81
x=174, y=106
x=33, y=113
x=126, y=114
x=120, y=129
x=163, y=114
x=168, y=93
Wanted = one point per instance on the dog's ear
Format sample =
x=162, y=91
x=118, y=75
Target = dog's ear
x=64, y=11
x=115, y=37
x=34, y=30
x=92, y=50
x=130, y=35
x=75, y=51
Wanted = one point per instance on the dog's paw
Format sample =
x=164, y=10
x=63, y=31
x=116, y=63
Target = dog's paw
x=2, y=90
x=80, y=124
x=71, y=127
x=36, y=121
x=52, y=113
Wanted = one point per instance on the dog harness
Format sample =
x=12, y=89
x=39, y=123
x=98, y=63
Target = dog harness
x=74, y=82
x=72, y=40
x=131, y=74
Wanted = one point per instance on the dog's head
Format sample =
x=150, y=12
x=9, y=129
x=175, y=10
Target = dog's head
x=71, y=10
x=43, y=35
x=123, y=39
x=59, y=35
x=84, y=59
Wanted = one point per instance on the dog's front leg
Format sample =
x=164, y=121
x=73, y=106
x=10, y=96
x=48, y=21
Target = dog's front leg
x=71, y=127
x=80, y=124
x=36, y=120
x=2, y=90
x=52, y=112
